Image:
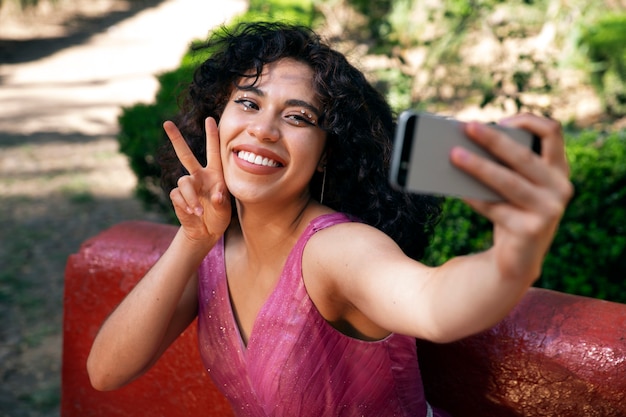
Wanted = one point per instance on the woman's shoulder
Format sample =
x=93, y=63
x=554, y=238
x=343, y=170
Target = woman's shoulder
x=338, y=234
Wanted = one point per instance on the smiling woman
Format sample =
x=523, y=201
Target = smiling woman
x=272, y=120
x=356, y=118
x=308, y=308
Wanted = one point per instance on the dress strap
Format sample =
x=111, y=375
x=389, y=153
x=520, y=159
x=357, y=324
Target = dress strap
x=327, y=220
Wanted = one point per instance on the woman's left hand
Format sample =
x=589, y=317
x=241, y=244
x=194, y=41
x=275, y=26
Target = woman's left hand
x=535, y=188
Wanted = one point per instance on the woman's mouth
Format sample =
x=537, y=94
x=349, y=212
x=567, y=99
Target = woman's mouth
x=255, y=159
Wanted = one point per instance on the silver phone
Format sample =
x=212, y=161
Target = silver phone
x=420, y=161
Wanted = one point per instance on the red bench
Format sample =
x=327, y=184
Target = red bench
x=554, y=355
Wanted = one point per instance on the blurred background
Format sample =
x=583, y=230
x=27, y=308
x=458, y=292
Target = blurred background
x=86, y=85
x=66, y=69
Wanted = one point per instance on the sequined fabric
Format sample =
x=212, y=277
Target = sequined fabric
x=295, y=363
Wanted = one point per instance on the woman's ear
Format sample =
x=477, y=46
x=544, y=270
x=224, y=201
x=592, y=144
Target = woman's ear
x=322, y=163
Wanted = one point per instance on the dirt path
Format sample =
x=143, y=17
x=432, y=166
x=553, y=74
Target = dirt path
x=62, y=178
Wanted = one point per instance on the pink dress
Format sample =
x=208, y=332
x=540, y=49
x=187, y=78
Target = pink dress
x=295, y=363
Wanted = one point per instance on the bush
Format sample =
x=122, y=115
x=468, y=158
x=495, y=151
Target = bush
x=605, y=43
x=141, y=133
x=588, y=256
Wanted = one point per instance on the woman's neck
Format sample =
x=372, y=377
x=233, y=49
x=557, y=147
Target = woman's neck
x=269, y=229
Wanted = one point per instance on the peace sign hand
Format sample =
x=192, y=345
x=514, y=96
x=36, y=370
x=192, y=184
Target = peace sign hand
x=201, y=200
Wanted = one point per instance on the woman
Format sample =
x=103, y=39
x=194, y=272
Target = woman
x=297, y=257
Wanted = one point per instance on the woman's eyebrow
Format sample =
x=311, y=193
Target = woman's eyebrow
x=253, y=89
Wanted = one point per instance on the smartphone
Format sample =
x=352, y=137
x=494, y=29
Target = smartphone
x=420, y=161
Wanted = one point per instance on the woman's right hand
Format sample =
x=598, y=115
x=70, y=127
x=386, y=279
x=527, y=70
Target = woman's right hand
x=201, y=200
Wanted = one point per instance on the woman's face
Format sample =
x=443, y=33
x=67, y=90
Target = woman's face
x=270, y=140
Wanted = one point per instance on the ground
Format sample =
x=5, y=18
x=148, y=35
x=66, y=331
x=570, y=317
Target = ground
x=64, y=73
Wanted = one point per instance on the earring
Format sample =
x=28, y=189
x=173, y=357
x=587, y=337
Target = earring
x=323, y=184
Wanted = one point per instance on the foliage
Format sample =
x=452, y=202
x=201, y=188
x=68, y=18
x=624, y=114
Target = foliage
x=435, y=45
x=460, y=231
x=605, y=43
x=588, y=254
x=504, y=55
x=295, y=11
x=141, y=134
x=377, y=11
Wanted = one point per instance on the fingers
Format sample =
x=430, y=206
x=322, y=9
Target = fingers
x=213, y=156
x=550, y=132
x=503, y=180
x=186, y=197
x=527, y=181
x=214, y=161
x=185, y=155
x=517, y=156
x=523, y=168
x=556, y=174
x=517, y=167
x=202, y=182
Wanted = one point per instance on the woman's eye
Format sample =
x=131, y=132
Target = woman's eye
x=247, y=104
x=302, y=118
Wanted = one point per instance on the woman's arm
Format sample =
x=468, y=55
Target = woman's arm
x=469, y=293
x=149, y=319
x=164, y=302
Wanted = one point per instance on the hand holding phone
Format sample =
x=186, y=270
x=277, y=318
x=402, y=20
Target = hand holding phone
x=421, y=163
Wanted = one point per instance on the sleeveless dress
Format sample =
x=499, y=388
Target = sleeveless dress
x=295, y=363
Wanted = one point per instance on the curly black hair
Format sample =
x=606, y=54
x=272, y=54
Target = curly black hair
x=357, y=119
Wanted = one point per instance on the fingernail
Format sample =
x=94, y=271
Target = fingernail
x=476, y=127
x=459, y=154
x=189, y=210
x=506, y=121
x=199, y=211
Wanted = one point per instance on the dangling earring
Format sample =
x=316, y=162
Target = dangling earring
x=323, y=184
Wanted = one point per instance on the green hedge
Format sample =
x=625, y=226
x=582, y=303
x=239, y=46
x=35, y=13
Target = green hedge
x=588, y=256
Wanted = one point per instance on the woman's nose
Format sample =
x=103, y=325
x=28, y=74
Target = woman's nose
x=264, y=127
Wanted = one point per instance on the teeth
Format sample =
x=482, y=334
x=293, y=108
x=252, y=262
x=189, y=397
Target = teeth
x=256, y=159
